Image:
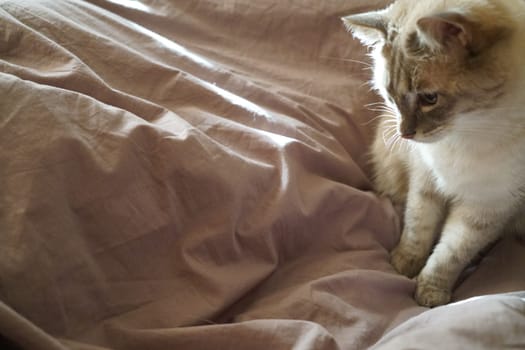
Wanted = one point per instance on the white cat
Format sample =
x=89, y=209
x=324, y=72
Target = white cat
x=450, y=148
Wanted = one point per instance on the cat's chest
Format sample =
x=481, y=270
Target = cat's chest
x=477, y=176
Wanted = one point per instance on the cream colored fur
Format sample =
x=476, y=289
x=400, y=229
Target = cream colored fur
x=462, y=185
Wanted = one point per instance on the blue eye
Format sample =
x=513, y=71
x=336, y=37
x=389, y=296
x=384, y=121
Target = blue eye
x=427, y=99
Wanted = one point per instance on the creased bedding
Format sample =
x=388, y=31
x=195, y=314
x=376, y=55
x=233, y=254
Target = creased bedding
x=193, y=175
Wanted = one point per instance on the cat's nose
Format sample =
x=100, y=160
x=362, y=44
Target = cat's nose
x=409, y=135
x=408, y=126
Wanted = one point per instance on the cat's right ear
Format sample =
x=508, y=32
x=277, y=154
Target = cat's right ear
x=368, y=27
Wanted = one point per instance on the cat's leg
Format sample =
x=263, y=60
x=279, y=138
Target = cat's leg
x=466, y=232
x=390, y=168
x=424, y=212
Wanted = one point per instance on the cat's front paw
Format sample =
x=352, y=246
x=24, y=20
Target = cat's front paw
x=406, y=262
x=430, y=294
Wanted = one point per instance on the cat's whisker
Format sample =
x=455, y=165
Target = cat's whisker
x=367, y=64
x=391, y=112
x=387, y=113
x=389, y=131
x=382, y=109
x=390, y=123
x=386, y=119
x=390, y=141
x=376, y=108
x=373, y=120
x=394, y=140
x=389, y=137
x=375, y=104
x=381, y=103
x=390, y=126
x=370, y=86
x=401, y=143
x=389, y=117
x=387, y=134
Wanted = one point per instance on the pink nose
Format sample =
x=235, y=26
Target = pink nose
x=409, y=135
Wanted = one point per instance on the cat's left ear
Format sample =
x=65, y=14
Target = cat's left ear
x=369, y=27
x=446, y=30
x=454, y=32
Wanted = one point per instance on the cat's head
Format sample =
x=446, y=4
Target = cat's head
x=439, y=61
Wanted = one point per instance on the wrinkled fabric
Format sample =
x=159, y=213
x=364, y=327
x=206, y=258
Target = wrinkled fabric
x=193, y=175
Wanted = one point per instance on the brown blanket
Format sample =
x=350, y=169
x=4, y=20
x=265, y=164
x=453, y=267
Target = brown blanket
x=193, y=175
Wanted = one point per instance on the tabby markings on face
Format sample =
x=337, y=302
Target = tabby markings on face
x=422, y=111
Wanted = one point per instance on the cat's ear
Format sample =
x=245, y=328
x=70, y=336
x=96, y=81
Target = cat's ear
x=452, y=31
x=446, y=30
x=368, y=27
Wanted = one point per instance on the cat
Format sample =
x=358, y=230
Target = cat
x=450, y=145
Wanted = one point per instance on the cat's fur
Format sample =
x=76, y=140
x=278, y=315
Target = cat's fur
x=450, y=148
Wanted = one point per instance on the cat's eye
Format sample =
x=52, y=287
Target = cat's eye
x=427, y=99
